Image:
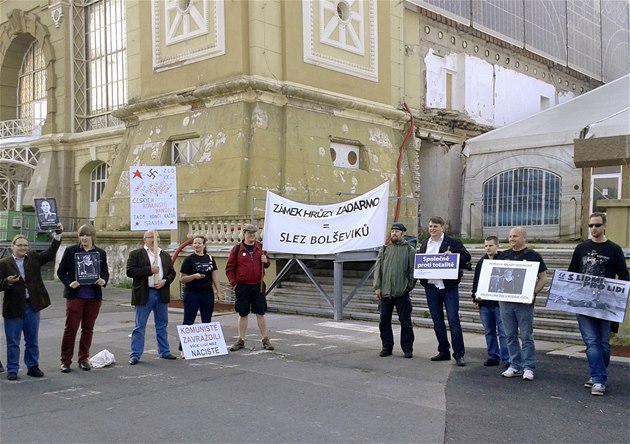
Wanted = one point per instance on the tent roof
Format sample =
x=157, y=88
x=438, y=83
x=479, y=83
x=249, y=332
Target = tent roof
x=605, y=109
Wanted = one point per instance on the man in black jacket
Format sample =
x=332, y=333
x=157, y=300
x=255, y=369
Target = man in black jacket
x=489, y=312
x=24, y=297
x=152, y=272
x=83, y=297
x=444, y=293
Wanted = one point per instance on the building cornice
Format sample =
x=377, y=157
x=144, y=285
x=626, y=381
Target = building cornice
x=251, y=88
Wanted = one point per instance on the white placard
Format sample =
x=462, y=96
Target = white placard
x=508, y=281
x=598, y=297
x=153, y=197
x=297, y=228
x=202, y=340
x=436, y=266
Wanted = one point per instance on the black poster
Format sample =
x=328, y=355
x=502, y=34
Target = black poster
x=88, y=266
x=46, y=211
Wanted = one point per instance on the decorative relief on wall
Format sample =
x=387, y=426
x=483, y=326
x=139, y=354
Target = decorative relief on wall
x=342, y=35
x=186, y=31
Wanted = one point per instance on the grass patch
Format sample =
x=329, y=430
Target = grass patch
x=124, y=284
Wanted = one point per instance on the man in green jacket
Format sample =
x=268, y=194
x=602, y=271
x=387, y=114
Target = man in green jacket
x=393, y=280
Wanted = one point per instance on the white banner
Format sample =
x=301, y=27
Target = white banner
x=357, y=224
x=153, y=197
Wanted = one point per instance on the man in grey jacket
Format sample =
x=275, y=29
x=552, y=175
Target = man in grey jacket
x=393, y=280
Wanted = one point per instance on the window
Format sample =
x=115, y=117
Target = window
x=345, y=155
x=98, y=179
x=32, y=86
x=525, y=196
x=106, y=61
x=605, y=185
x=184, y=151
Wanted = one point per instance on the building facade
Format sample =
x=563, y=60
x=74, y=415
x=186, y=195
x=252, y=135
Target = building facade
x=313, y=100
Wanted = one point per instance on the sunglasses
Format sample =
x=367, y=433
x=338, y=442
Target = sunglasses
x=595, y=225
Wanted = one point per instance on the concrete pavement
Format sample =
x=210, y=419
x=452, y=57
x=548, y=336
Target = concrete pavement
x=324, y=382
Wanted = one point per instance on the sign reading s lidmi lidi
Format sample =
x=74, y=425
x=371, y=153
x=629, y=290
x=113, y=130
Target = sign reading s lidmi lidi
x=436, y=266
x=153, y=197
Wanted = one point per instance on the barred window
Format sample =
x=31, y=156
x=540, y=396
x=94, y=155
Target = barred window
x=184, y=151
x=524, y=196
x=32, y=85
x=106, y=61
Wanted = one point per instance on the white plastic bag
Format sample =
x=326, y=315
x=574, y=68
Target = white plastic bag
x=102, y=359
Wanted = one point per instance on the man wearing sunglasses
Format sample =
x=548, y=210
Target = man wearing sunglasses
x=598, y=256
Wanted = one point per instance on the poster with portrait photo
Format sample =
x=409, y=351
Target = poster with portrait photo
x=46, y=212
x=598, y=297
x=508, y=281
x=87, y=266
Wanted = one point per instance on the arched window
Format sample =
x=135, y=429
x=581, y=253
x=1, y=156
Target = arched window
x=98, y=179
x=524, y=196
x=32, y=86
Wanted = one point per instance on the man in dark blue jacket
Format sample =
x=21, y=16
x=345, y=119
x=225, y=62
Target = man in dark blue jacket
x=444, y=293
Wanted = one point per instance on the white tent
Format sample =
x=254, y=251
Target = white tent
x=543, y=142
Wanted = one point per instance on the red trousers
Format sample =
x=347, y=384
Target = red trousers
x=81, y=312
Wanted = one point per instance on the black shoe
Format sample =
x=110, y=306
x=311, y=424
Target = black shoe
x=409, y=355
x=169, y=356
x=133, y=360
x=65, y=368
x=12, y=377
x=84, y=365
x=460, y=361
x=35, y=372
x=441, y=357
x=385, y=352
x=1, y=368
x=491, y=363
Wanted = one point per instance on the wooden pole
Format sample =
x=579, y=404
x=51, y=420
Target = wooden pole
x=156, y=276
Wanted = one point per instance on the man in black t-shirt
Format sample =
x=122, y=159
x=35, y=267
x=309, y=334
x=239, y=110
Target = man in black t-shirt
x=598, y=256
x=518, y=318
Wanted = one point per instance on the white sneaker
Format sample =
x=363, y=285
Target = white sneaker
x=511, y=372
x=528, y=375
x=598, y=389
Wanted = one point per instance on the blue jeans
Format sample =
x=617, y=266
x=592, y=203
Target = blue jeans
x=437, y=300
x=160, y=316
x=595, y=334
x=13, y=328
x=519, y=318
x=493, y=330
x=403, y=308
x=201, y=301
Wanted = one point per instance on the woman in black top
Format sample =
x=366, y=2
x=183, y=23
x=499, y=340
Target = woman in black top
x=199, y=273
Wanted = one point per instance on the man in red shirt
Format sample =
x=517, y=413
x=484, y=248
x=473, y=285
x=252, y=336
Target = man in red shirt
x=245, y=272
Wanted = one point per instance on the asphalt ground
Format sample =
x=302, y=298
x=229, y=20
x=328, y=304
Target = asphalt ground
x=324, y=383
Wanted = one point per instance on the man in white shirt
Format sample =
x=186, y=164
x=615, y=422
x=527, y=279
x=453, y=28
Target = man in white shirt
x=444, y=294
x=152, y=272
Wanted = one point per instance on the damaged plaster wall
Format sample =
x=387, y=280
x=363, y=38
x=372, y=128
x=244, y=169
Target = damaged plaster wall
x=485, y=91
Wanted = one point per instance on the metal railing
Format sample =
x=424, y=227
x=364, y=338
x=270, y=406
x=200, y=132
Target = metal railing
x=21, y=127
